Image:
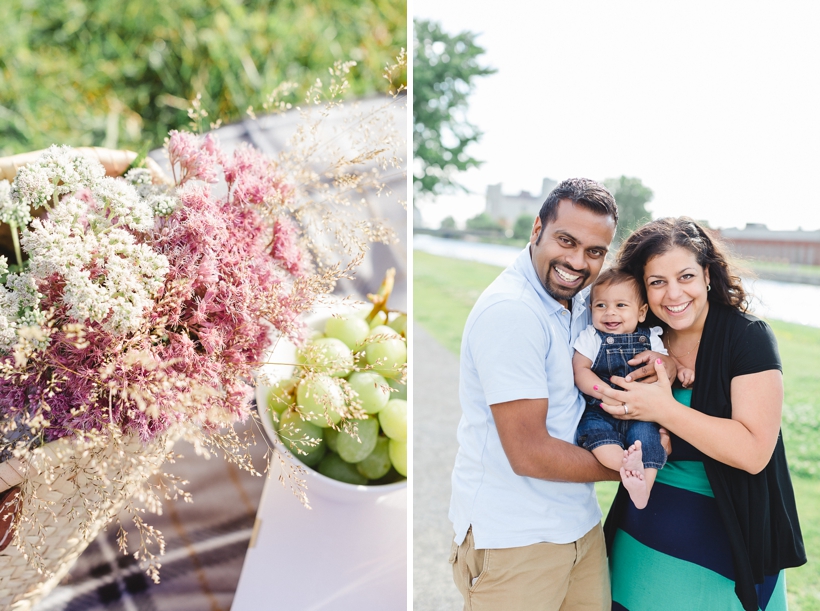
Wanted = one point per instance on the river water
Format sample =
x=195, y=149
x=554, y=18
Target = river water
x=777, y=300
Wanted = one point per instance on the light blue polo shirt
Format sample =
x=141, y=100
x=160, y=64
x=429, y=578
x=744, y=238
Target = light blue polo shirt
x=517, y=344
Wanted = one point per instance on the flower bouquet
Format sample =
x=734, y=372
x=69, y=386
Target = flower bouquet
x=136, y=311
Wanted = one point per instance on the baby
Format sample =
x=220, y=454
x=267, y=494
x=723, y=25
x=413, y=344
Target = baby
x=602, y=350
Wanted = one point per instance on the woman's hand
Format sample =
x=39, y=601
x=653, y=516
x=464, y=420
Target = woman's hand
x=646, y=373
x=638, y=401
x=744, y=441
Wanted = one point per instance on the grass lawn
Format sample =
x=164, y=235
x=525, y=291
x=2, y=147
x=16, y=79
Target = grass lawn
x=445, y=290
x=811, y=270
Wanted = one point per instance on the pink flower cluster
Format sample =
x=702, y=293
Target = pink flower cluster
x=233, y=275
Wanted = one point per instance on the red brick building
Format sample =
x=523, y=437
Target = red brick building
x=757, y=242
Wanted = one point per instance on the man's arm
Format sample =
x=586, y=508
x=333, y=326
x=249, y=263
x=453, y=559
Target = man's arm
x=533, y=452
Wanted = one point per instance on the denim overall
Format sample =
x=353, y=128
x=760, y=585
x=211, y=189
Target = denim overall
x=598, y=428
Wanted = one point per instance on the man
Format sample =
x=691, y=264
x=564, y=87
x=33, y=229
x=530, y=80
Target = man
x=527, y=523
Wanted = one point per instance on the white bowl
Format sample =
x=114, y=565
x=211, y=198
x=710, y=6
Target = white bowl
x=285, y=352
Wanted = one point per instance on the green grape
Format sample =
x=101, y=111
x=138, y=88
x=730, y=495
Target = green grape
x=398, y=455
x=379, y=319
x=393, y=419
x=330, y=436
x=376, y=353
x=280, y=395
x=275, y=419
x=383, y=330
x=313, y=458
x=353, y=450
x=386, y=351
x=399, y=324
x=350, y=329
x=391, y=477
x=327, y=355
x=372, y=389
x=377, y=463
x=311, y=334
x=401, y=388
x=302, y=438
x=334, y=467
x=320, y=399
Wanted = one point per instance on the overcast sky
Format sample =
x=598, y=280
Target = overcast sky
x=715, y=106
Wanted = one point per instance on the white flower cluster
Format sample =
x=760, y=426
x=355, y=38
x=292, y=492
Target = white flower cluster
x=7, y=331
x=159, y=197
x=88, y=241
x=123, y=204
x=19, y=299
x=12, y=210
x=58, y=170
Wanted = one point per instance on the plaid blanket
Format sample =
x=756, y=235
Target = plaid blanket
x=205, y=546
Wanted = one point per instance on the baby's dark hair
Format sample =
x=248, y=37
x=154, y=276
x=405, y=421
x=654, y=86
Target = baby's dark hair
x=613, y=276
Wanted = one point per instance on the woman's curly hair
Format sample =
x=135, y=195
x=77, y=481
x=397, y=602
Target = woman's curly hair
x=660, y=236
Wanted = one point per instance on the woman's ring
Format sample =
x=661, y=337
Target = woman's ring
x=626, y=409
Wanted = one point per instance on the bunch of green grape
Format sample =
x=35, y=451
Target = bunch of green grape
x=344, y=412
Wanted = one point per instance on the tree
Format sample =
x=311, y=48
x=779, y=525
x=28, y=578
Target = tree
x=523, y=227
x=445, y=68
x=631, y=196
x=483, y=222
x=448, y=223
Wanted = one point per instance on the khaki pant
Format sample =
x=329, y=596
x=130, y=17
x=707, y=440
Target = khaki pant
x=539, y=577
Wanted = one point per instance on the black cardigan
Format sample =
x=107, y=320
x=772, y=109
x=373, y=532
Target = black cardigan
x=758, y=511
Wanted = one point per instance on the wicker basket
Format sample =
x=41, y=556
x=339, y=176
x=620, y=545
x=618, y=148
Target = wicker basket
x=111, y=473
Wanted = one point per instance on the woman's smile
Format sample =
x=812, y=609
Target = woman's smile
x=677, y=309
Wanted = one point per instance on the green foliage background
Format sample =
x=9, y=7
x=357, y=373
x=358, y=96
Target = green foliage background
x=523, y=227
x=445, y=69
x=121, y=73
x=631, y=196
x=483, y=222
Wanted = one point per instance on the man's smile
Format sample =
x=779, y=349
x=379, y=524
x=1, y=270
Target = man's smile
x=568, y=278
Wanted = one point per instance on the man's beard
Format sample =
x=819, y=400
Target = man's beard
x=562, y=293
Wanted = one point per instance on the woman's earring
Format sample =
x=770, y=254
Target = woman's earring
x=708, y=287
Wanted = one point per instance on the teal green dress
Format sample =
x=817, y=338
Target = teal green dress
x=674, y=554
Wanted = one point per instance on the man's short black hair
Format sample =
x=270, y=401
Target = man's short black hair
x=582, y=192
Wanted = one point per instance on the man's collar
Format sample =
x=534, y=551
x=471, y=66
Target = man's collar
x=580, y=301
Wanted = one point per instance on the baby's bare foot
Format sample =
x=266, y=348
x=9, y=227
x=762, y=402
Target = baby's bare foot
x=636, y=487
x=633, y=458
x=632, y=476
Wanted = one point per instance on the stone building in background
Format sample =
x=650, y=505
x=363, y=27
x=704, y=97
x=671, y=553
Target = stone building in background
x=756, y=242
x=507, y=208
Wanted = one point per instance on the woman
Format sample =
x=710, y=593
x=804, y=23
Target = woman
x=721, y=524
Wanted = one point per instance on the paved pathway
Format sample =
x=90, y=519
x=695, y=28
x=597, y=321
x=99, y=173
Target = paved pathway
x=436, y=412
